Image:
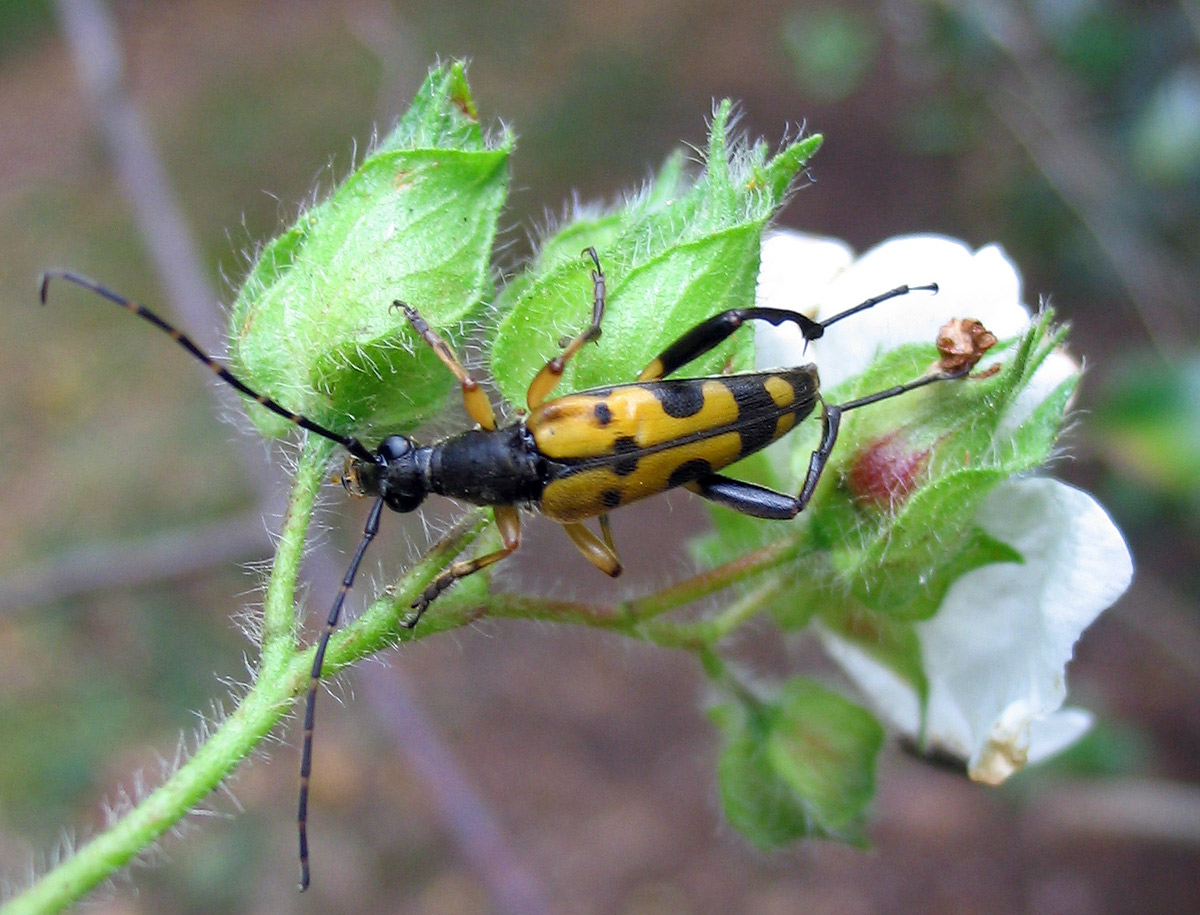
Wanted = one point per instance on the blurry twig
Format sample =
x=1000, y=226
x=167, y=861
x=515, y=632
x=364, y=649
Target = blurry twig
x=1131, y=809
x=379, y=28
x=174, y=554
x=92, y=37
x=93, y=40
x=483, y=845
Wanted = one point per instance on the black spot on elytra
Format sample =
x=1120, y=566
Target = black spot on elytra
x=603, y=414
x=679, y=400
x=610, y=498
x=688, y=472
x=756, y=436
x=754, y=402
x=627, y=451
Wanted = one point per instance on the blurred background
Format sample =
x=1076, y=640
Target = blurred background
x=527, y=768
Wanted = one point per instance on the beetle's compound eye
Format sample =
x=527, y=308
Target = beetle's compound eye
x=400, y=481
x=394, y=446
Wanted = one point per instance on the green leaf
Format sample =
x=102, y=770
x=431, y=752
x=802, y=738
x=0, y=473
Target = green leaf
x=756, y=801
x=313, y=326
x=824, y=748
x=442, y=114
x=678, y=253
x=906, y=567
x=1034, y=440
x=803, y=765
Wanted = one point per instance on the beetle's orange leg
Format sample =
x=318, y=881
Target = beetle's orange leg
x=508, y=520
x=547, y=379
x=606, y=532
x=594, y=550
x=474, y=399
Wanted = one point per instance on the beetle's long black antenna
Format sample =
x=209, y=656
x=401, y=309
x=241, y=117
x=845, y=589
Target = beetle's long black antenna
x=868, y=303
x=351, y=444
x=310, y=703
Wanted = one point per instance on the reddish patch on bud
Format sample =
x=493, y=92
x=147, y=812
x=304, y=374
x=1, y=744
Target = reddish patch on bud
x=460, y=98
x=884, y=473
x=961, y=343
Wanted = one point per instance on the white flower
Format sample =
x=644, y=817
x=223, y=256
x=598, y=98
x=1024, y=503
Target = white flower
x=820, y=277
x=994, y=655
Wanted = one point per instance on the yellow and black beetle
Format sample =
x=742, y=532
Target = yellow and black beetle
x=579, y=456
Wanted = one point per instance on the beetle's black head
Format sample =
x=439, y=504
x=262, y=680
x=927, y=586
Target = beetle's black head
x=396, y=475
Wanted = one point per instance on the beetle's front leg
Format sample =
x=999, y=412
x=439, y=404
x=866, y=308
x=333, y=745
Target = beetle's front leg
x=508, y=520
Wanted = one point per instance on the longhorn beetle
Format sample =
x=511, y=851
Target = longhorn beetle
x=579, y=456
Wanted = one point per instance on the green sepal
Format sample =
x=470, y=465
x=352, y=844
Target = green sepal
x=800, y=765
x=678, y=253
x=313, y=325
x=884, y=570
x=901, y=560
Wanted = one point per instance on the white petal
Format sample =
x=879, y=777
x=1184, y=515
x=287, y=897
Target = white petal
x=997, y=666
x=892, y=697
x=793, y=273
x=1051, y=735
x=794, y=267
x=818, y=276
x=980, y=284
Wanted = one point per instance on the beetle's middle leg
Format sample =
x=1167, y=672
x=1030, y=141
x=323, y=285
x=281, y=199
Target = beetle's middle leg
x=599, y=553
x=547, y=379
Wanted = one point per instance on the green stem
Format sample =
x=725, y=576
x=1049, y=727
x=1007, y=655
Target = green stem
x=263, y=706
x=279, y=607
x=633, y=616
x=703, y=635
x=378, y=626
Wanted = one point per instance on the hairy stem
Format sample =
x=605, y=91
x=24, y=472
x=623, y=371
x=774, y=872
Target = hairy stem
x=259, y=711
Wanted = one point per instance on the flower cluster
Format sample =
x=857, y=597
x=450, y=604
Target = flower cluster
x=994, y=653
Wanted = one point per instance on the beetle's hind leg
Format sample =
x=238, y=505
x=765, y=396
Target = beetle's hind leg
x=746, y=498
x=599, y=552
x=761, y=502
x=708, y=334
x=547, y=379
